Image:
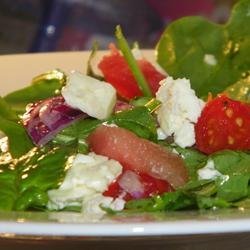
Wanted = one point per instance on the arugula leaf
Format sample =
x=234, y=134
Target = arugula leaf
x=184, y=45
x=167, y=202
x=212, y=202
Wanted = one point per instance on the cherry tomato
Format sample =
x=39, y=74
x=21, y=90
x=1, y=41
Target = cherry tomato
x=224, y=124
x=152, y=186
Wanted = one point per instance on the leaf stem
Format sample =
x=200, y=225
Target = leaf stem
x=124, y=47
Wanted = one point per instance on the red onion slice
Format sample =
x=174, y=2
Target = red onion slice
x=121, y=106
x=130, y=182
x=44, y=119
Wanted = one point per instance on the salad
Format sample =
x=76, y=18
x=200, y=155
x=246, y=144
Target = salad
x=132, y=135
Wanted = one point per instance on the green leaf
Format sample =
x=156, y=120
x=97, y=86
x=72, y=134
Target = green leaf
x=212, y=202
x=24, y=183
x=230, y=162
x=136, y=71
x=138, y=120
x=40, y=90
x=43, y=170
x=6, y=111
x=18, y=140
x=151, y=104
x=193, y=158
x=184, y=45
x=8, y=190
x=200, y=187
x=240, y=90
x=90, y=71
x=167, y=202
x=76, y=133
x=244, y=203
x=33, y=197
x=235, y=188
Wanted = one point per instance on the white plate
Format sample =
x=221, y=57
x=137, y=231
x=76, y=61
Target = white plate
x=16, y=72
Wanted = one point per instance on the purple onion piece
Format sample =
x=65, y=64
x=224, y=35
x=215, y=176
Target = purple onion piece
x=121, y=106
x=130, y=182
x=44, y=119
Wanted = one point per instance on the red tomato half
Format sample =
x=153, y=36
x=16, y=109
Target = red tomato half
x=224, y=124
x=151, y=185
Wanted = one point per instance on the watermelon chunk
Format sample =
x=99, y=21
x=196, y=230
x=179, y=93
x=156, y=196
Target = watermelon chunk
x=138, y=154
x=117, y=72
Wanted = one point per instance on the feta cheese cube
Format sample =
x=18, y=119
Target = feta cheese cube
x=179, y=111
x=208, y=172
x=89, y=175
x=94, y=97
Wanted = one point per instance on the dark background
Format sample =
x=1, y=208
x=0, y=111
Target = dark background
x=60, y=25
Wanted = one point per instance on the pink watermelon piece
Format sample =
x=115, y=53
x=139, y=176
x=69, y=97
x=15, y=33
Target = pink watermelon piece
x=138, y=154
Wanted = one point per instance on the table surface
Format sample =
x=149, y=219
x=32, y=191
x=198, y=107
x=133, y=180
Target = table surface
x=239, y=241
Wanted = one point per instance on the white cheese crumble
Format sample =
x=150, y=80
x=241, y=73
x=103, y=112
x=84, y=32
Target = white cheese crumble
x=160, y=134
x=179, y=111
x=94, y=97
x=107, y=124
x=89, y=176
x=210, y=59
x=208, y=172
x=92, y=205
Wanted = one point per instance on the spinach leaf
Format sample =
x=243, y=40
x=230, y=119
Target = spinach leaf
x=233, y=185
x=13, y=130
x=24, y=183
x=18, y=141
x=204, y=188
x=186, y=43
x=240, y=90
x=41, y=89
x=76, y=134
x=6, y=111
x=229, y=162
x=8, y=176
x=193, y=158
x=33, y=93
x=235, y=188
x=138, y=120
